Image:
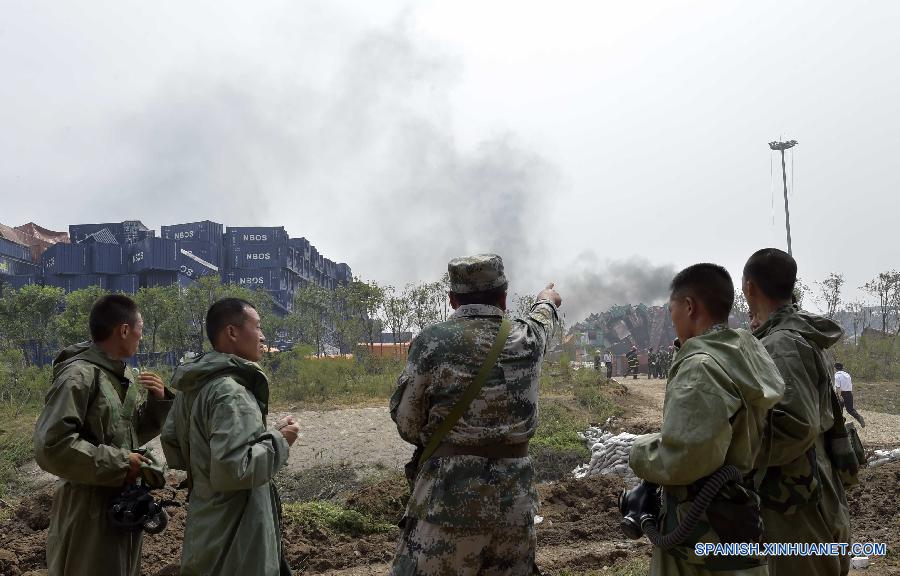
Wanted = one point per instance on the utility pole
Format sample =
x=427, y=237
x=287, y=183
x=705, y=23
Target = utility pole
x=782, y=146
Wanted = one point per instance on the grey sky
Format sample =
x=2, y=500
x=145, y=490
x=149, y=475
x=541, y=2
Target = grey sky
x=571, y=137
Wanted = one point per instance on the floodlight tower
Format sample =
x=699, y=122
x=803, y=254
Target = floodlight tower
x=782, y=146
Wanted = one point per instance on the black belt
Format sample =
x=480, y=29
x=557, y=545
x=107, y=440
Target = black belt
x=493, y=451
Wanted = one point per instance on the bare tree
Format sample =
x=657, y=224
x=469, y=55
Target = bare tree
x=397, y=310
x=830, y=293
x=859, y=317
x=740, y=312
x=884, y=288
x=801, y=291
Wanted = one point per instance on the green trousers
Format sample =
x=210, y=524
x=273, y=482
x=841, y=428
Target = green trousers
x=808, y=525
x=665, y=564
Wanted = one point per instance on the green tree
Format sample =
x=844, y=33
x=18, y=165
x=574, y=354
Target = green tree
x=426, y=302
x=158, y=305
x=27, y=320
x=355, y=304
x=311, y=318
x=398, y=311
x=72, y=323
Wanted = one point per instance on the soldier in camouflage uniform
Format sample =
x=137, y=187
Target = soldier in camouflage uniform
x=802, y=494
x=721, y=386
x=473, y=503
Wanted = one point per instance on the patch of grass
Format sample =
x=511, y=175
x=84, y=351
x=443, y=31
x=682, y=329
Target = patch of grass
x=558, y=427
x=877, y=396
x=324, y=516
x=296, y=377
x=16, y=447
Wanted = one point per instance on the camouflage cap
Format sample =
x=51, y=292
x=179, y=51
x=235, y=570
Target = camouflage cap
x=476, y=273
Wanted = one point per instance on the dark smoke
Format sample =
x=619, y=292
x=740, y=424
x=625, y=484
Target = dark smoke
x=367, y=166
x=591, y=285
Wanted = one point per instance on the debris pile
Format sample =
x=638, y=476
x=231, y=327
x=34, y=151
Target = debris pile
x=880, y=457
x=609, y=455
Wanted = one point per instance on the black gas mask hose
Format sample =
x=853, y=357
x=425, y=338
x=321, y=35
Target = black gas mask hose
x=640, y=508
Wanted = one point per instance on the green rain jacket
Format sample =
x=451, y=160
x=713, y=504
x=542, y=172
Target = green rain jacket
x=91, y=421
x=721, y=386
x=800, y=471
x=216, y=431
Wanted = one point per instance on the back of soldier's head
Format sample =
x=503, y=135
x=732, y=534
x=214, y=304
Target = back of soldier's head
x=773, y=271
x=708, y=284
x=108, y=313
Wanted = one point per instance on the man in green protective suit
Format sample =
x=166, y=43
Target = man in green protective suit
x=92, y=422
x=802, y=496
x=721, y=386
x=217, y=432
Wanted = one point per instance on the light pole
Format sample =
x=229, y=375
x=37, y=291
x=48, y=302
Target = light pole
x=782, y=146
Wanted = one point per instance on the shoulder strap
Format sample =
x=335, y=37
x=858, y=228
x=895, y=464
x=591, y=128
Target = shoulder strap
x=470, y=393
x=121, y=412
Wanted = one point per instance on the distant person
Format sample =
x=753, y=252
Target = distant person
x=803, y=498
x=651, y=363
x=754, y=322
x=473, y=499
x=217, y=433
x=87, y=434
x=597, y=360
x=843, y=385
x=721, y=387
x=608, y=362
x=633, y=363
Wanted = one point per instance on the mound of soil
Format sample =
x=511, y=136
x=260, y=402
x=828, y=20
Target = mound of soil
x=384, y=500
x=875, y=514
x=577, y=510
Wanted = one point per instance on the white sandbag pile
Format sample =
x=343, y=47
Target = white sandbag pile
x=880, y=457
x=609, y=455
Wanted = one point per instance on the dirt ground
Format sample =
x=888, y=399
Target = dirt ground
x=579, y=532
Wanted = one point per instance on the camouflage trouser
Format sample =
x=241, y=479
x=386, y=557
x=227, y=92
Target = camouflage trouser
x=665, y=564
x=813, y=523
x=427, y=549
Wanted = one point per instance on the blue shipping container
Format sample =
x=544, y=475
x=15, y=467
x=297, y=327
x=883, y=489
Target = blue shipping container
x=195, y=267
x=15, y=250
x=184, y=281
x=80, y=232
x=17, y=282
x=257, y=256
x=256, y=235
x=66, y=259
x=154, y=278
x=83, y=281
x=75, y=282
x=205, y=231
x=14, y=267
x=283, y=299
x=127, y=283
x=209, y=251
x=108, y=259
x=266, y=278
x=154, y=254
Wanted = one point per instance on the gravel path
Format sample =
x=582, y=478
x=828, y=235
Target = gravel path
x=364, y=436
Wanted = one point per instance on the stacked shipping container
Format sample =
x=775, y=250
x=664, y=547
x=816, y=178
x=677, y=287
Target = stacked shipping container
x=125, y=256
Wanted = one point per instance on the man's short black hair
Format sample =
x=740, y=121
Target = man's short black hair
x=708, y=283
x=774, y=271
x=490, y=297
x=838, y=366
x=108, y=313
x=223, y=313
